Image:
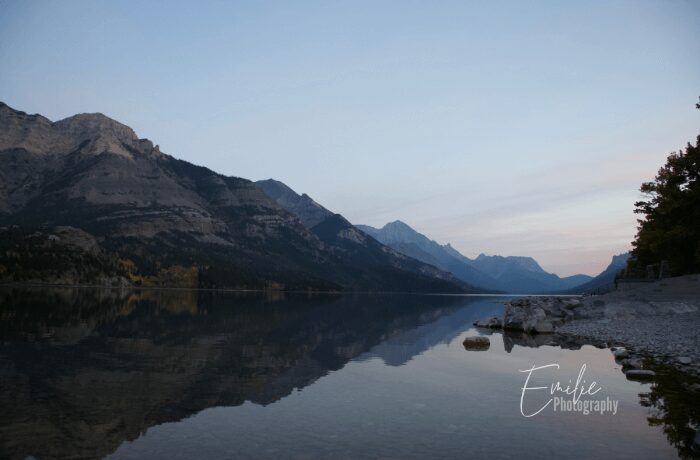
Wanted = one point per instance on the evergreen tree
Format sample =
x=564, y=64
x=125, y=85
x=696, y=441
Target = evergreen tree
x=669, y=228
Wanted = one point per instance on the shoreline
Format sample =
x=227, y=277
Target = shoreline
x=658, y=321
x=287, y=291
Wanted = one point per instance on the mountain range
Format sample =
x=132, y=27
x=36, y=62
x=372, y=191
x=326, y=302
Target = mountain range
x=84, y=200
x=510, y=274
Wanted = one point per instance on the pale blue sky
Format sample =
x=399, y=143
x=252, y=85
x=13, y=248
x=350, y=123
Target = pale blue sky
x=513, y=128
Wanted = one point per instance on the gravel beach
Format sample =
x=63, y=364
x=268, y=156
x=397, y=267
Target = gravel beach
x=660, y=319
x=668, y=339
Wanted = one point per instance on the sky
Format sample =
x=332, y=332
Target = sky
x=501, y=127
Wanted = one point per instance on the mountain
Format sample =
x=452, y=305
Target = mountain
x=605, y=281
x=508, y=274
x=151, y=219
x=356, y=248
x=524, y=274
x=307, y=210
x=406, y=240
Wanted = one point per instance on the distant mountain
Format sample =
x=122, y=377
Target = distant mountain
x=605, y=281
x=354, y=247
x=406, y=240
x=151, y=219
x=508, y=274
x=524, y=274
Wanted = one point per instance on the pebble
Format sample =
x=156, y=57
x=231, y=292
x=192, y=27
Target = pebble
x=640, y=373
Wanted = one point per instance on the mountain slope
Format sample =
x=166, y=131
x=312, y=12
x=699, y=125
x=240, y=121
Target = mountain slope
x=346, y=241
x=524, y=274
x=156, y=213
x=508, y=274
x=406, y=240
x=605, y=281
x=307, y=210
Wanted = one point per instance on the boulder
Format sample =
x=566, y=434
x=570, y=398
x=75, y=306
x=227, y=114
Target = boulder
x=685, y=360
x=631, y=363
x=620, y=353
x=543, y=327
x=539, y=314
x=492, y=322
x=570, y=304
x=476, y=343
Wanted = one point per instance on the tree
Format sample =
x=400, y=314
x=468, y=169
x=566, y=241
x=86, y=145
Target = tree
x=669, y=228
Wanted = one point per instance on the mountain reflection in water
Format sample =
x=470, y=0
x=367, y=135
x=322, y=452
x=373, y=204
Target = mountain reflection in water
x=84, y=370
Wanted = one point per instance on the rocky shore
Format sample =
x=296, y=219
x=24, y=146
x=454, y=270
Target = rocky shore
x=659, y=320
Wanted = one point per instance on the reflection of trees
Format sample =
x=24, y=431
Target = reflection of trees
x=43, y=313
x=674, y=405
x=673, y=401
x=94, y=368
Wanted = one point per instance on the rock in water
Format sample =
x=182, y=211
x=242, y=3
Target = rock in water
x=540, y=314
x=684, y=360
x=640, y=374
x=493, y=322
x=476, y=343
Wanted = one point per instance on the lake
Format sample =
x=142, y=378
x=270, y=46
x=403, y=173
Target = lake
x=89, y=373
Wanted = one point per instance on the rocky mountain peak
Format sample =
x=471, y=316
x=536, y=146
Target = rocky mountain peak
x=93, y=124
x=398, y=231
x=103, y=133
x=22, y=130
x=91, y=132
x=398, y=225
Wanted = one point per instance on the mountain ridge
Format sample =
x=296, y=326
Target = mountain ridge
x=336, y=231
x=153, y=215
x=513, y=274
x=605, y=280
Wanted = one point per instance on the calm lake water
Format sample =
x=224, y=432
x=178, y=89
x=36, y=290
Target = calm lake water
x=181, y=374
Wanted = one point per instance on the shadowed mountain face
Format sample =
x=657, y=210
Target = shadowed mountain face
x=406, y=240
x=524, y=274
x=155, y=219
x=97, y=368
x=347, y=241
x=605, y=281
x=307, y=210
x=508, y=274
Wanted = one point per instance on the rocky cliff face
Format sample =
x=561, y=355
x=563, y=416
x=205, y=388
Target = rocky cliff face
x=155, y=212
